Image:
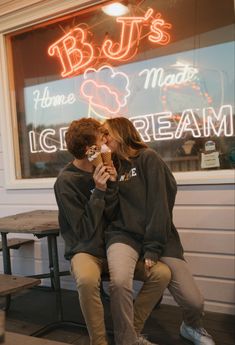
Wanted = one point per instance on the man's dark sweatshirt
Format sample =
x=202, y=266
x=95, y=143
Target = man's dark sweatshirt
x=83, y=211
x=147, y=191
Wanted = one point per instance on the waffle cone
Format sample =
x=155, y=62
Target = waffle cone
x=106, y=157
x=97, y=160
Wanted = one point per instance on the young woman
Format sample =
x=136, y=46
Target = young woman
x=144, y=228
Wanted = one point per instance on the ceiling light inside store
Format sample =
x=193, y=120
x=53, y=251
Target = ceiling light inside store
x=115, y=9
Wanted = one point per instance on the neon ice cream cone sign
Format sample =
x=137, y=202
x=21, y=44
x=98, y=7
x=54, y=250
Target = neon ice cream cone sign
x=76, y=53
x=108, y=96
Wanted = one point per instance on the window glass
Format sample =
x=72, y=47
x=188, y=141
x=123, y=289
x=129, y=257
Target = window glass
x=167, y=65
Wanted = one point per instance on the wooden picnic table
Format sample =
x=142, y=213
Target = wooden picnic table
x=40, y=223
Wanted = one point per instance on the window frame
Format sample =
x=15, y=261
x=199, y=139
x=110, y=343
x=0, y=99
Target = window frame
x=19, y=20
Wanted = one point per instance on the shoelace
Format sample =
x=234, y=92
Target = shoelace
x=202, y=331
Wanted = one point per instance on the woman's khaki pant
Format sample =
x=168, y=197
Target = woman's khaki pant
x=185, y=291
x=128, y=320
x=87, y=271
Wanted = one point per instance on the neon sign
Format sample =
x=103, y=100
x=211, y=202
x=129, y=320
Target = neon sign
x=159, y=126
x=41, y=142
x=47, y=101
x=75, y=53
x=153, y=127
x=104, y=84
x=158, y=77
x=111, y=97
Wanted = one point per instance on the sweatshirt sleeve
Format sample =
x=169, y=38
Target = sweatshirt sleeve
x=158, y=215
x=82, y=214
x=111, y=201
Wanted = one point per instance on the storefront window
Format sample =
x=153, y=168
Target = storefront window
x=168, y=66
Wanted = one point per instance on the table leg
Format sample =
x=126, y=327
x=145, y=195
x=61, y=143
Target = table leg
x=6, y=264
x=51, y=266
x=55, y=275
x=52, y=247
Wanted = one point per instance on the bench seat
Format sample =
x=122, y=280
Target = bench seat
x=11, y=284
x=15, y=243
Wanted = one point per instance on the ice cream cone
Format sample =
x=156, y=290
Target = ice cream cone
x=106, y=157
x=106, y=154
x=94, y=155
x=97, y=159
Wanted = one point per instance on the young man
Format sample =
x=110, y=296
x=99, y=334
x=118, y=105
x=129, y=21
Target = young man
x=87, y=199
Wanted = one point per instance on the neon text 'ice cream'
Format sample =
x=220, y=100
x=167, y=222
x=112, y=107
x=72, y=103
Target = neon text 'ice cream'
x=152, y=127
x=76, y=53
x=160, y=126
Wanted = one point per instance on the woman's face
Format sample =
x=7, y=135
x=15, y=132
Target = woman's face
x=110, y=141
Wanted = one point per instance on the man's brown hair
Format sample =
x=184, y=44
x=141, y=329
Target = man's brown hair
x=81, y=133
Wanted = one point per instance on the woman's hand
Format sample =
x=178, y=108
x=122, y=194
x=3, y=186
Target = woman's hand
x=148, y=263
x=101, y=176
x=112, y=172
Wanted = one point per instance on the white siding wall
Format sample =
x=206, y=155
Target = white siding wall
x=204, y=215
x=205, y=218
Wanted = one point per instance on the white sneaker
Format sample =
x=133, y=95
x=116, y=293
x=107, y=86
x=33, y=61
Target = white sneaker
x=143, y=341
x=198, y=336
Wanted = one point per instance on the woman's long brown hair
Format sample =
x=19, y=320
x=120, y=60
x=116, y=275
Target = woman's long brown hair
x=128, y=138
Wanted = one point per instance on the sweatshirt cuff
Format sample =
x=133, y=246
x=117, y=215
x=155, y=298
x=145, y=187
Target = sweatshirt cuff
x=98, y=194
x=151, y=255
x=112, y=184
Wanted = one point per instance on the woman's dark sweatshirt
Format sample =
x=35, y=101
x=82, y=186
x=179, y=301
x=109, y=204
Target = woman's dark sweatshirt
x=147, y=191
x=83, y=211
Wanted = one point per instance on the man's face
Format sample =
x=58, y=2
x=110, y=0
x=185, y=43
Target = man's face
x=101, y=138
x=109, y=140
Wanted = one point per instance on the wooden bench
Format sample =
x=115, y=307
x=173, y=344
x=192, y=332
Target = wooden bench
x=16, y=243
x=20, y=339
x=11, y=284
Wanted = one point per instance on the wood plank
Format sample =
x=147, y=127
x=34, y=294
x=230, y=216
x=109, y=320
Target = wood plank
x=208, y=241
x=34, y=222
x=211, y=290
x=206, y=195
x=211, y=265
x=205, y=217
x=8, y=6
x=20, y=339
x=209, y=306
x=222, y=196
x=16, y=243
x=10, y=284
x=26, y=196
